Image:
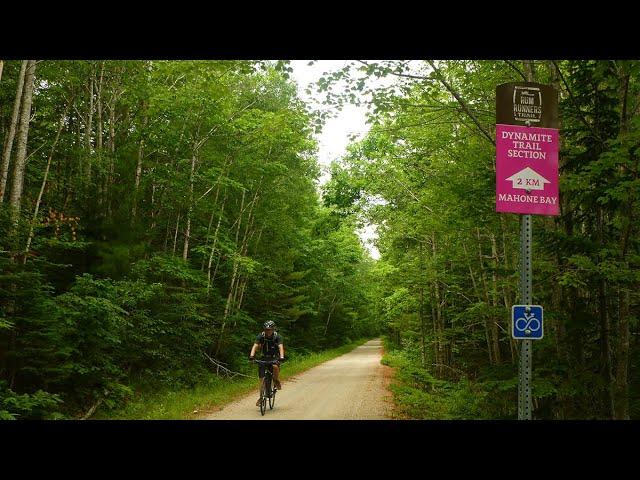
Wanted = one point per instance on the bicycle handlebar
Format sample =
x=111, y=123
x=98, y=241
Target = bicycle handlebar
x=266, y=362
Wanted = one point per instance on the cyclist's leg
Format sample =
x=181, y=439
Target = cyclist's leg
x=276, y=376
x=260, y=392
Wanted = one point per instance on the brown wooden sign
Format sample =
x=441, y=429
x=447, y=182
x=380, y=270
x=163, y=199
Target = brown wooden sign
x=527, y=103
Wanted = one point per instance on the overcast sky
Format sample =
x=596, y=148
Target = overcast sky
x=335, y=135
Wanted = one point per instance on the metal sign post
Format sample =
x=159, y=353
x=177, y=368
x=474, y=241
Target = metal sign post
x=524, y=385
x=526, y=183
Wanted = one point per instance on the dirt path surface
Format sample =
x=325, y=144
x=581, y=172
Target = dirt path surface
x=349, y=387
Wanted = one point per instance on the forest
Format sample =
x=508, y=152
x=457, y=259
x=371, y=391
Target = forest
x=449, y=268
x=153, y=214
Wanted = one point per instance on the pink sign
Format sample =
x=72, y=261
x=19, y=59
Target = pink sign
x=527, y=170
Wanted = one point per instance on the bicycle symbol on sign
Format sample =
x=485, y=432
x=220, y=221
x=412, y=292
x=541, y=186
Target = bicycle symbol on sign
x=528, y=324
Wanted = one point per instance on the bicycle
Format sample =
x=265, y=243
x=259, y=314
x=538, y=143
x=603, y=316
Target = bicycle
x=267, y=390
x=527, y=323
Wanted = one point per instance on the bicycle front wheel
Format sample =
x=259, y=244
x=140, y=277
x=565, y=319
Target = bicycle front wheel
x=263, y=398
x=272, y=399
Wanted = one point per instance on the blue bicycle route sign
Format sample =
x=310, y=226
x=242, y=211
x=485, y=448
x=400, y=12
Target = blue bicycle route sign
x=526, y=322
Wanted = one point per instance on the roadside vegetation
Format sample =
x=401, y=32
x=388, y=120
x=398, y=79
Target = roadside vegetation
x=214, y=392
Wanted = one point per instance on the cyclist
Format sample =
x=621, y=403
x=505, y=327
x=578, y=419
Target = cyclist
x=270, y=342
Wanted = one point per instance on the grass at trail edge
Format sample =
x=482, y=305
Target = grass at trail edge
x=210, y=396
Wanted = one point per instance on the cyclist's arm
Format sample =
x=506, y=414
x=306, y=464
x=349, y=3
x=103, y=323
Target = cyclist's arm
x=281, y=347
x=255, y=347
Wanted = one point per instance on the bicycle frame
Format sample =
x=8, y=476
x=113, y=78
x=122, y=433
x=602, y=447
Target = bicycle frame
x=267, y=389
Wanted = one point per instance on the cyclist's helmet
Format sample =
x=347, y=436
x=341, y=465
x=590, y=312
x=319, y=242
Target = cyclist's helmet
x=269, y=324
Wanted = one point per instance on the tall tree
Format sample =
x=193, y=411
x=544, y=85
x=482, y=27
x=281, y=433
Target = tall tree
x=23, y=135
x=8, y=143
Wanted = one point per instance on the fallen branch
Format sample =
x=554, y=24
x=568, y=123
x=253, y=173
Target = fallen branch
x=500, y=327
x=92, y=409
x=220, y=367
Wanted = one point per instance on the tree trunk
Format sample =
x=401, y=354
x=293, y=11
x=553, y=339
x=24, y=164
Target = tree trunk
x=423, y=332
x=206, y=238
x=244, y=250
x=435, y=314
x=494, y=294
x=139, y=172
x=471, y=275
x=421, y=314
x=479, y=295
x=513, y=349
x=87, y=131
x=44, y=183
x=622, y=358
x=493, y=356
x=605, y=322
x=215, y=241
x=621, y=393
x=8, y=144
x=333, y=304
x=21, y=151
x=166, y=235
x=439, y=330
x=99, y=125
x=213, y=207
x=153, y=212
x=529, y=70
x=185, y=250
x=175, y=238
x=99, y=108
x=242, y=289
x=112, y=129
x=111, y=146
x=234, y=277
x=606, y=345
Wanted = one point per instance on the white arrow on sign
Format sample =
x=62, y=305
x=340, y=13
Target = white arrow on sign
x=528, y=179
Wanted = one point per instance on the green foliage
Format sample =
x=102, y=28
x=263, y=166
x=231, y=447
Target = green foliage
x=36, y=406
x=420, y=395
x=448, y=273
x=180, y=212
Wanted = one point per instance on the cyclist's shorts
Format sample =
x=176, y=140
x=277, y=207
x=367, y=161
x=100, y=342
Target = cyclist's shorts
x=261, y=367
